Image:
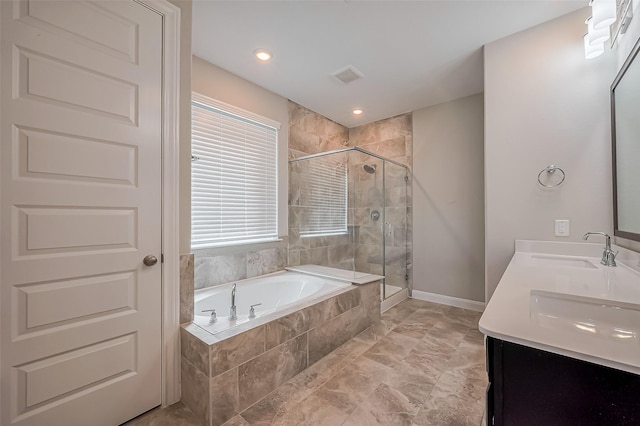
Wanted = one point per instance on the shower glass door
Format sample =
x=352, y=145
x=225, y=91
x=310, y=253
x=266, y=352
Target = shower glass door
x=395, y=229
x=368, y=212
x=348, y=210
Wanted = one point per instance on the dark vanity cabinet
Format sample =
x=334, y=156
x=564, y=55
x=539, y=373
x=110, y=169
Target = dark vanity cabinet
x=532, y=387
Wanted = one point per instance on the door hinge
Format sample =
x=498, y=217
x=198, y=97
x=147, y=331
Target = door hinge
x=406, y=178
x=162, y=258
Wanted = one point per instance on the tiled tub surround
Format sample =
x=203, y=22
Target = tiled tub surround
x=215, y=267
x=224, y=374
x=421, y=365
x=186, y=288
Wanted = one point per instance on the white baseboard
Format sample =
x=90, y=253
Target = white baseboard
x=448, y=300
x=392, y=301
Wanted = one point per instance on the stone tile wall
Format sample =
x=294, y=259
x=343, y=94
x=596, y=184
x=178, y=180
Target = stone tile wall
x=391, y=138
x=221, y=378
x=311, y=133
x=220, y=266
x=186, y=288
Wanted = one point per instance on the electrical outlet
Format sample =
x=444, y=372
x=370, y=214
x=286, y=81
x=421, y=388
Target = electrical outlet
x=562, y=227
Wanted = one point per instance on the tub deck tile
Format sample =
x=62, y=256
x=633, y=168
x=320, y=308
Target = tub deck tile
x=223, y=391
x=290, y=326
x=260, y=376
x=195, y=350
x=329, y=336
x=195, y=391
x=232, y=352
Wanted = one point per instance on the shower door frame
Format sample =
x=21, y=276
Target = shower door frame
x=385, y=222
x=384, y=161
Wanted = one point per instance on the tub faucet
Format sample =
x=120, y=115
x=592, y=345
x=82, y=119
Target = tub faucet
x=608, y=255
x=232, y=313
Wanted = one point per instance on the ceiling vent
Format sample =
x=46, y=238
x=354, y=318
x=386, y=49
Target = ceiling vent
x=347, y=75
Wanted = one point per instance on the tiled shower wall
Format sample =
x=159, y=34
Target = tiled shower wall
x=391, y=138
x=311, y=133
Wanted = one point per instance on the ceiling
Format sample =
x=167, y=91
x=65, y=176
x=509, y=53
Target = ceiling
x=413, y=54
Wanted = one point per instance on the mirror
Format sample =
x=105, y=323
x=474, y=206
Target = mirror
x=625, y=127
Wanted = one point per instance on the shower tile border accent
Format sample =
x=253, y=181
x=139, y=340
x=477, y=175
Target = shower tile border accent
x=221, y=379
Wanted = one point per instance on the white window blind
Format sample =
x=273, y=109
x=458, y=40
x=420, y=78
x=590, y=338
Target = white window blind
x=233, y=175
x=324, y=194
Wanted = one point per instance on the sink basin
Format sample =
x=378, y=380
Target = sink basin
x=560, y=261
x=610, y=320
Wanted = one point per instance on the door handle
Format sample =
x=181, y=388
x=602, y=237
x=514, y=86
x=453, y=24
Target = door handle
x=150, y=260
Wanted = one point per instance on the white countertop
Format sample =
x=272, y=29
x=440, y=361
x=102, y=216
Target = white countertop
x=557, y=297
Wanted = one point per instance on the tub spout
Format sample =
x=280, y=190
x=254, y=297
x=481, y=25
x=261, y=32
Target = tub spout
x=232, y=312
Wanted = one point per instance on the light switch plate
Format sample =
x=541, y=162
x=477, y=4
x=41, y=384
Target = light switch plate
x=562, y=227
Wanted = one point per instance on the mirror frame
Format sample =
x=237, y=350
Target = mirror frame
x=616, y=231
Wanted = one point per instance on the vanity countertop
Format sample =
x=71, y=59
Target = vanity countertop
x=557, y=297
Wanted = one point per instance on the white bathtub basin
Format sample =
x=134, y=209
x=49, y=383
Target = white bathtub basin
x=274, y=294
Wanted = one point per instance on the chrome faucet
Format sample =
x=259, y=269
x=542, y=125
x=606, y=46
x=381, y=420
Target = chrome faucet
x=232, y=312
x=213, y=318
x=608, y=255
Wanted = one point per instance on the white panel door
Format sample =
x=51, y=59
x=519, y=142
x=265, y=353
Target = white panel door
x=80, y=136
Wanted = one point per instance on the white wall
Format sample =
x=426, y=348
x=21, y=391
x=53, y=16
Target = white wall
x=545, y=104
x=448, y=199
x=219, y=84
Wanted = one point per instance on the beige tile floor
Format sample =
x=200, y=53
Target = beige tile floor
x=422, y=365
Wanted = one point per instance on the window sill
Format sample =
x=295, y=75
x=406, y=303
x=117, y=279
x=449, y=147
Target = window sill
x=329, y=234
x=241, y=247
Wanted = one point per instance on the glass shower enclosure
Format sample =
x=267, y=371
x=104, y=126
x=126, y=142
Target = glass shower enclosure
x=349, y=209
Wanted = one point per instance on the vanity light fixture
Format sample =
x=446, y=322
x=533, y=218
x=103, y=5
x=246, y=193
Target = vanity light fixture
x=592, y=51
x=595, y=36
x=603, y=12
x=603, y=15
x=357, y=111
x=263, y=55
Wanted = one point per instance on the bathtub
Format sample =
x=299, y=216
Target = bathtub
x=304, y=316
x=278, y=294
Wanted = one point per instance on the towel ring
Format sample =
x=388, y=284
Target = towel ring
x=551, y=169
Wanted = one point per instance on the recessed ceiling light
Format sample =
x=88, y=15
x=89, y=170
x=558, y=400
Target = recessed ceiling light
x=263, y=55
x=357, y=111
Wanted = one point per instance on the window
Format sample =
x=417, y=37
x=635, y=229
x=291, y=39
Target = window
x=324, y=187
x=233, y=175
